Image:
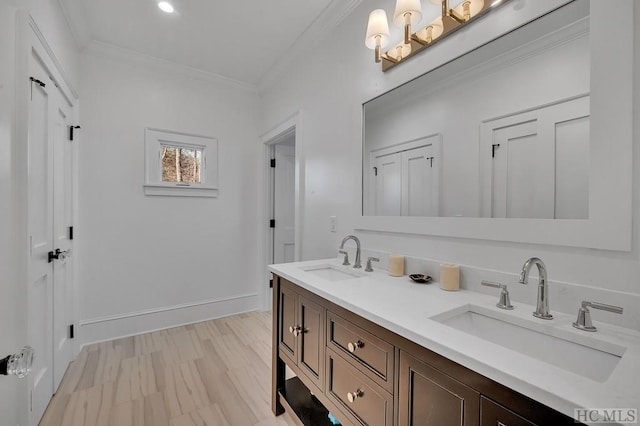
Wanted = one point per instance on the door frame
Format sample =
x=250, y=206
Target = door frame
x=30, y=39
x=292, y=124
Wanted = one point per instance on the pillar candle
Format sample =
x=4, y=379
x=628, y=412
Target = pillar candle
x=449, y=277
x=396, y=265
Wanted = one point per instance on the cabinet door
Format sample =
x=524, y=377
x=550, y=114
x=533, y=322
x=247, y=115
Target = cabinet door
x=311, y=340
x=493, y=414
x=287, y=322
x=428, y=397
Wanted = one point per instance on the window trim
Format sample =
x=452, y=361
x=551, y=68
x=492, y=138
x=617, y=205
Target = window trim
x=155, y=139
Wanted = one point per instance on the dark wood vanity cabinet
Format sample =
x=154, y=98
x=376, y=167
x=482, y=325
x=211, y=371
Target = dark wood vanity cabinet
x=367, y=375
x=427, y=397
x=301, y=332
x=494, y=414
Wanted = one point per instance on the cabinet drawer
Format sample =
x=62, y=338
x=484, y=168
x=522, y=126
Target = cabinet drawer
x=494, y=414
x=371, y=354
x=360, y=398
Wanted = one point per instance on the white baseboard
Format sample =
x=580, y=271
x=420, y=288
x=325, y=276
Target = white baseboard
x=111, y=327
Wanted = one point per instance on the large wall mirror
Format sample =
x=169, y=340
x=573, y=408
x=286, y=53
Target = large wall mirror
x=509, y=135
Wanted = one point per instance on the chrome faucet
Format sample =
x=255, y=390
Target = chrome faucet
x=356, y=264
x=542, y=305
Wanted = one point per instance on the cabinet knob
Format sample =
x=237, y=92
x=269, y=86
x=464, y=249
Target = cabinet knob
x=352, y=396
x=295, y=330
x=353, y=346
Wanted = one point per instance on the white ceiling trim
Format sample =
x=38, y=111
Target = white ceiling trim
x=320, y=28
x=101, y=49
x=74, y=13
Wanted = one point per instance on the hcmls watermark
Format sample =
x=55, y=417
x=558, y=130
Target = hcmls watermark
x=606, y=415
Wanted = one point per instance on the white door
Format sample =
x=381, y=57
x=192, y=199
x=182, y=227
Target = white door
x=536, y=164
x=387, y=172
x=62, y=221
x=284, y=204
x=418, y=198
x=40, y=230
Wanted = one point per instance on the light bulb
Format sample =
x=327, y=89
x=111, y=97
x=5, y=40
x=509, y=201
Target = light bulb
x=165, y=6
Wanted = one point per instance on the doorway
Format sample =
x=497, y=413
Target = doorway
x=283, y=163
x=284, y=171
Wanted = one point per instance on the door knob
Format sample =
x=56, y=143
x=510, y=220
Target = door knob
x=18, y=364
x=59, y=254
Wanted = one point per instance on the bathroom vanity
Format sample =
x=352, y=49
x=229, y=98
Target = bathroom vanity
x=378, y=350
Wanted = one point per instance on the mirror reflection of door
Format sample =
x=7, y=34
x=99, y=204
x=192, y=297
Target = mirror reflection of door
x=541, y=64
x=405, y=178
x=536, y=163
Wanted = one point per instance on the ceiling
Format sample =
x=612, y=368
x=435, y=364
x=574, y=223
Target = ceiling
x=241, y=40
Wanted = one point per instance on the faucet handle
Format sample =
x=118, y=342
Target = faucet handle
x=505, y=301
x=346, y=257
x=584, y=315
x=369, y=260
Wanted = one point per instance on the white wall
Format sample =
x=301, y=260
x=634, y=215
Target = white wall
x=330, y=83
x=151, y=262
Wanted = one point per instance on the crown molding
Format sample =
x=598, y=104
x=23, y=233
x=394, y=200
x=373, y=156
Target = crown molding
x=102, y=49
x=320, y=28
x=76, y=17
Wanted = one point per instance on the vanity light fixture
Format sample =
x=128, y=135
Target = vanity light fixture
x=377, y=36
x=408, y=13
x=165, y=6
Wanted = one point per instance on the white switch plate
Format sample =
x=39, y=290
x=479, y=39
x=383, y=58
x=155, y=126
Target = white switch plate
x=333, y=223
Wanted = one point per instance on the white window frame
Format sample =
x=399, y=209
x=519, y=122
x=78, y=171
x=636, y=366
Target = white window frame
x=155, y=139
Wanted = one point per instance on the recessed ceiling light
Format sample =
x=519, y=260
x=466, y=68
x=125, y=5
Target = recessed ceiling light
x=165, y=6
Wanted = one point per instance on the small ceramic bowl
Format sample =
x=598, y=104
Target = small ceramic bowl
x=420, y=278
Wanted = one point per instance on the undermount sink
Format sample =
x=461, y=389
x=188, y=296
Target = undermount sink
x=332, y=273
x=583, y=355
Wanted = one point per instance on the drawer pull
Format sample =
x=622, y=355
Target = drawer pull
x=295, y=330
x=352, y=396
x=353, y=346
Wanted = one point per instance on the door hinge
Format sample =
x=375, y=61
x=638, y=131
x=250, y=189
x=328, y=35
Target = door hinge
x=71, y=232
x=271, y=283
x=71, y=332
x=375, y=171
x=272, y=223
x=273, y=162
x=493, y=149
x=35, y=80
x=71, y=128
x=430, y=161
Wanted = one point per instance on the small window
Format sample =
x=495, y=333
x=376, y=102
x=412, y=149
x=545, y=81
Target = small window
x=179, y=164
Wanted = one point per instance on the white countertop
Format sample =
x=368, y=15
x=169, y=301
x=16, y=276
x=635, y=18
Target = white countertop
x=406, y=308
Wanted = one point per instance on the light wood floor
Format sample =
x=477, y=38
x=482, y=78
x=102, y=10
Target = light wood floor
x=216, y=372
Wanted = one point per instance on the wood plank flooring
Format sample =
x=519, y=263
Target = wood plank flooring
x=216, y=372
